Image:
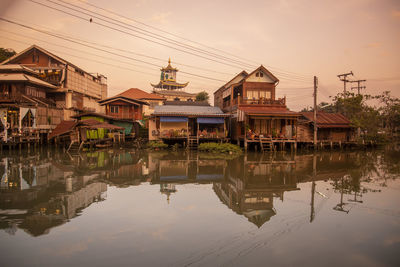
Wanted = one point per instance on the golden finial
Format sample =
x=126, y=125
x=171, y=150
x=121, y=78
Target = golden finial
x=169, y=61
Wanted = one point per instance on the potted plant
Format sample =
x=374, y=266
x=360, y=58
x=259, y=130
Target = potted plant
x=274, y=133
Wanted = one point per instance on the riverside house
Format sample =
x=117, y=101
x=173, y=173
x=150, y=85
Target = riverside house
x=258, y=117
x=188, y=122
x=332, y=128
x=131, y=95
x=75, y=89
x=27, y=115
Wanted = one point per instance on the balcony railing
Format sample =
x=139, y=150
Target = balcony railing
x=263, y=101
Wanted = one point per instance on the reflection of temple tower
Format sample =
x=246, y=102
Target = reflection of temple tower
x=167, y=189
x=169, y=88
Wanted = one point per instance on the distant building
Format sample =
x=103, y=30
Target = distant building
x=137, y=94
x=125, y=106
x=76, y=90
x=169, y=88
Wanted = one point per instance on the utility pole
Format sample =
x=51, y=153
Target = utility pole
x=358, y=85
x=343, y=77
x=315, y=110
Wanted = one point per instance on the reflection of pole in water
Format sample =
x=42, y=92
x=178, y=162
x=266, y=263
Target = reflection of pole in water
x=312, y=214
x=355, y=198
x=340, y=206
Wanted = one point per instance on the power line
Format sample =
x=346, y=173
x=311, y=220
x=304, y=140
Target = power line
x=134, y=35
x=80, y=42
x=203, y=86
x=293, y=76
x=145, y=32
x=186, y=39
x=103, y=50
x=343, y=77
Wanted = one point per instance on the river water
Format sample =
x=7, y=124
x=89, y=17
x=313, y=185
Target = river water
x=138, y=208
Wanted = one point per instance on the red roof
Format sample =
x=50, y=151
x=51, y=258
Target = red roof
x=328, y=120
x=63, y=128
x=135, y=93
x=264, y=110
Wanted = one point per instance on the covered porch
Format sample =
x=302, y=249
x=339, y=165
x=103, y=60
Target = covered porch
x=169, y=128
x=274, y=127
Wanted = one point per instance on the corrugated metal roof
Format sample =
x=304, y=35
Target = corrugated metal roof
x=20, y=77
x=189, y=111
x=63, y=128
x=328, y=120
x=16, y=68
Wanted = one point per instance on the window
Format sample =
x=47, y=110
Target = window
x=114, y=109
x=261, y=74
x=252, y=94
x=265, y=94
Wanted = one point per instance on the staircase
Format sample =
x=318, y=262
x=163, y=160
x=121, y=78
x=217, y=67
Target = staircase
x=74, y=147
x=266, y=145
x=193, y=142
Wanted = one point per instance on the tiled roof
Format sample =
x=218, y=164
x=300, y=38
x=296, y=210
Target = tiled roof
x=135, y=93
x=174, y=110
x=328, y=120
x=63, y=128
x=95, y=124
x=89, y=114
x=264, y=110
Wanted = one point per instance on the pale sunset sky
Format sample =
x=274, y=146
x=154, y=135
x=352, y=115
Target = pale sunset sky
x=295, y=40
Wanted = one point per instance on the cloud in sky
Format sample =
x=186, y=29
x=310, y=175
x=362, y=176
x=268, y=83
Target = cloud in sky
x=161, y=17
x=374, y=45
x=395, y=14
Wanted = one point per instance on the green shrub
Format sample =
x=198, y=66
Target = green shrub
x=157, y=145
x=219, y=148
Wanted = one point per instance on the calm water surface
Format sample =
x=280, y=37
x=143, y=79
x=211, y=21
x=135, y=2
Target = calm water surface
x=133, y=208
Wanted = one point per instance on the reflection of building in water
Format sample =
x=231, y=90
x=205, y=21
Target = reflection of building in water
x=253, y=184
x=170, y=170
x=167, y=189
x=37, y=195
x=188, y=170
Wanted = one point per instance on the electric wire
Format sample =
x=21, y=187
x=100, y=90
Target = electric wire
x=186, y=39
x=293, y=77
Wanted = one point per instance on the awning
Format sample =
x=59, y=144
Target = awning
x=173, y=119
x=210, y=120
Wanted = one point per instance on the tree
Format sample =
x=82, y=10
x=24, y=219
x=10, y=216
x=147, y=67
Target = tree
x=202, y=96
x=390, y=111
x=6, y=53
x=362, y=116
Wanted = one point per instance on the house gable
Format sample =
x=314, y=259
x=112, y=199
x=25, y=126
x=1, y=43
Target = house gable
x=261, y=74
